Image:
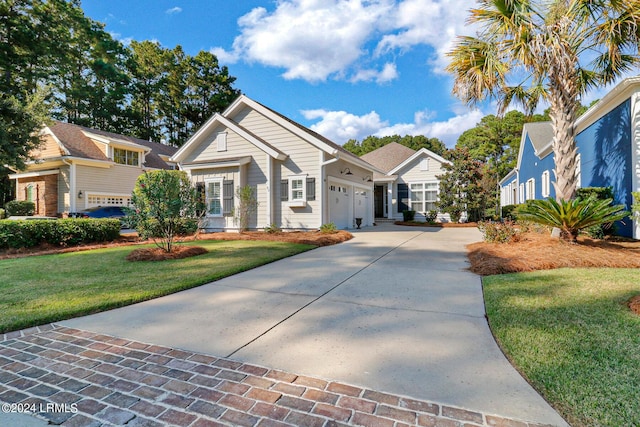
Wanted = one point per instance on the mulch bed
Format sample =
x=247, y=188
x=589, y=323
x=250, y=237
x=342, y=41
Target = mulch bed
x=159, y=254
x=438, y=224
x=634, y=304
x=542, y=252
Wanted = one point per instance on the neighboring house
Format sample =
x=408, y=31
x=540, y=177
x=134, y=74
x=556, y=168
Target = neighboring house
x=76, y=168
x=409, y=180
x=301, y=179
x=608, y=142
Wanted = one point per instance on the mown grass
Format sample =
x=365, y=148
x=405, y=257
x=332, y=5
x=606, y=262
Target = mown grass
x=571, y=334
x=42, y=289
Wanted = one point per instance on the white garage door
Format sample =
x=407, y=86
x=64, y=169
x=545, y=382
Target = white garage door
x=339, y=201
x=361, y=204
x=107, y=200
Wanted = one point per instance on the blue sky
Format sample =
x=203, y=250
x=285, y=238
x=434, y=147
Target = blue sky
x=345, y=68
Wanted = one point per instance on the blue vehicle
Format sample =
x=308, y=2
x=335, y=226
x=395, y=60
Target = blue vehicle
x=103, y=212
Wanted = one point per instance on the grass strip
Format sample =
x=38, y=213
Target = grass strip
x=42, y=289
x=571, y=334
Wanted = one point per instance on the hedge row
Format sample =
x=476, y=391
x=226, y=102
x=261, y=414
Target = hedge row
x=61, y=232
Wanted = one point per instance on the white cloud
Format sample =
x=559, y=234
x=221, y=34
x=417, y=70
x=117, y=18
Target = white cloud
x=340, y=126
x=352, y=40
x=173, y=10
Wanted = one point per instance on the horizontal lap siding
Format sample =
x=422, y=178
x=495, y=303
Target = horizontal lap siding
x=303, y=158
x=412, y=173
x=48, y=149
x=115, y=180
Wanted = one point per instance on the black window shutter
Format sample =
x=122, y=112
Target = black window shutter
x=284, y=190
x=311, y=189
x=227, y=197
x=403, y=197
x=202, y=198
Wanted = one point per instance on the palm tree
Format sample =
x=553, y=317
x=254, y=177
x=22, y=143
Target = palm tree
x=556, y=50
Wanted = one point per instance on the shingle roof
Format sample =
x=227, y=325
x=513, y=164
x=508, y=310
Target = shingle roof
x=79, y=145
x=540, y=134
x=389, y=156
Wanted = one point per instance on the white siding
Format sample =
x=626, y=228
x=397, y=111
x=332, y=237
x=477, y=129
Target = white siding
x=254, y=174
x=413, y=173
x=116, y=180
x=303, y=159
x=63, y=190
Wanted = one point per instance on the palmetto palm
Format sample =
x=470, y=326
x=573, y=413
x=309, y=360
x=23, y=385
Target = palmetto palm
x=571, y=216
x=556, y=50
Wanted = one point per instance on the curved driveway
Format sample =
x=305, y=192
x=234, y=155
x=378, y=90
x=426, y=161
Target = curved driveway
x=393, y=309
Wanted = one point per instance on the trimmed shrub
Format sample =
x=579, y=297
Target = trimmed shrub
x=328, y=228
x=62, y=232
x=272, y=229
x=431, y=216
x=152, y=229
x=408, y=215
x=509, y=212
x=500, y=232
x=20, y=208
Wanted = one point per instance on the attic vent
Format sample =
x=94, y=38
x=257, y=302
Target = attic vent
x=221, y=140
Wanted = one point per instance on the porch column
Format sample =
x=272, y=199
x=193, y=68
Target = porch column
x=390, y=200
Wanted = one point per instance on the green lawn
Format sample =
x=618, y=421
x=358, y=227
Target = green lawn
x=570, y=333
x=41, y=289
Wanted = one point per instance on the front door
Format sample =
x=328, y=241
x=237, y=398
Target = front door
x=379, y=196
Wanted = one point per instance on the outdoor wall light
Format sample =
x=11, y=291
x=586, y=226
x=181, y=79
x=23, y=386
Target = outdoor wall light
x=80, y=194
x=346, y=171
x=367, y=178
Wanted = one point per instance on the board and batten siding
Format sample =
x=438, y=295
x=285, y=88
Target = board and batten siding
x=303, y=159
x=201, y=175
x=64, y=201
x=255, y=173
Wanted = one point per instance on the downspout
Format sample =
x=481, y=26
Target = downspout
x=72, y=185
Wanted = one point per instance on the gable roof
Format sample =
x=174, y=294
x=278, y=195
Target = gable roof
x=540, y=134
x=388, y=157
x=217, y=119
x=308, y=135
x=75, y=140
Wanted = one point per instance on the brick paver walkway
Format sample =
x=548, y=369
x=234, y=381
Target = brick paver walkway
x=79, y=378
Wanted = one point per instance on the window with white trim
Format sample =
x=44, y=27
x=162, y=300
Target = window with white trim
x=297, y=188
x=221, y=141
x=521, y=199
x=423, y=196
x=213, y=194
x=546, y=184
x=531, y=189
x=126, y=157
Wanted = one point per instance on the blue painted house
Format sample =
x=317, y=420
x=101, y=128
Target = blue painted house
x=608, y=141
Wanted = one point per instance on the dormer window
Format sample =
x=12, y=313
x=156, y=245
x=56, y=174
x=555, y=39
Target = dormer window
x=126, y=157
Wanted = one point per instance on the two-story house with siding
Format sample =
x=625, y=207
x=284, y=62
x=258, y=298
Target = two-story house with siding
x=77, y=168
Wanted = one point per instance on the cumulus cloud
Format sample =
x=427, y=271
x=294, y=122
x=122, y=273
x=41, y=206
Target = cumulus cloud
x=352, y=40
x=173, y=10
x=340, y=126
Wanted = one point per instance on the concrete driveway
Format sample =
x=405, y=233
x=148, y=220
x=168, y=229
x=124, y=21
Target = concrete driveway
x=393, y=310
